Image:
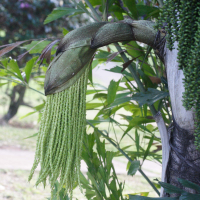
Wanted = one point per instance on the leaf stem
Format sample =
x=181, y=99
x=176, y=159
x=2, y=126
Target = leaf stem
x=93, y=10
x=126, y=156
x=24, y=84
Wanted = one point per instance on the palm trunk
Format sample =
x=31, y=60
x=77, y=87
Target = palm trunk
x=184, y=159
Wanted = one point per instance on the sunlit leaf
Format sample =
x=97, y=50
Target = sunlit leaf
x=34, y=135
x=60, y=12
x=135, y=165
x=29, y=67
x=112, y=89
x=149, y=97
x=15, y=68
x=90, y=106
x=65, y=31
x=28, y=114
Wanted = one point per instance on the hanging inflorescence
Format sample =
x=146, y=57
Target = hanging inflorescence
x=183, y=25
x=60, y=137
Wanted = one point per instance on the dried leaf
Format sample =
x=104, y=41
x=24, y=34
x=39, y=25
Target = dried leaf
x=155, y=79
x=46, y=52
x=126, y=64
x=10, y=47
x=158, y=148
x=113, y=55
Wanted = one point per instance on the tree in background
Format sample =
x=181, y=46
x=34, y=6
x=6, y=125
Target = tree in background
x=23, y=20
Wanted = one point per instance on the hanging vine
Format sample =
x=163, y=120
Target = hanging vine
x=183, y=25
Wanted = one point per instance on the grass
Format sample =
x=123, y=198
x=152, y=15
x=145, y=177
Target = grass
x=14, y=186
x=10, y=136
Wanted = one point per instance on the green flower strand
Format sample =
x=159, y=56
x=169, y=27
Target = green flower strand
x=60, y=137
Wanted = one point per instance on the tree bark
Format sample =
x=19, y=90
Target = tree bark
x=15, y=102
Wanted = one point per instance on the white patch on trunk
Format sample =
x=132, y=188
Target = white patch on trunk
x=165, y=146
x=185, y=119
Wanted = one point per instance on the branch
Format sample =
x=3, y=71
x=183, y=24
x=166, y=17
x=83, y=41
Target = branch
x=26, y=104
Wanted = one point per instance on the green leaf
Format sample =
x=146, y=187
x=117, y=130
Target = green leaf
x=171, y=188
x=65, y=31
x=135, y=121
x=93, y=91
x=188, y=196
x=146, y=153
x=100, y=96
x=112, y=90
x=147, y=81
x=119, y=70
x=95, y=2
x=15, y=68
x=3, y=72
x=90, y=106
x=136, y=197
x=137, y=140
x=5, y=62
x=100, y=146
x=60, y=12
x=147, y=10
x=30, y=113
x=90, y=77
x=121, y=95
x=82, y=7
x=35, y=134
x=100, y=121
x=1, y=84
x=103, y=56
x=29, y=67
x=149, y=97
x=109, y=157
x=189, y=184
x=113, y=188
x=39, y=46
x=94, y=184
x=135, y=50
x=40, y=106
x=131, y=4
x=120, y=101
x=135, y=165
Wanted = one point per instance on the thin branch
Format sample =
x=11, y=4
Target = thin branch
x=126, y=156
